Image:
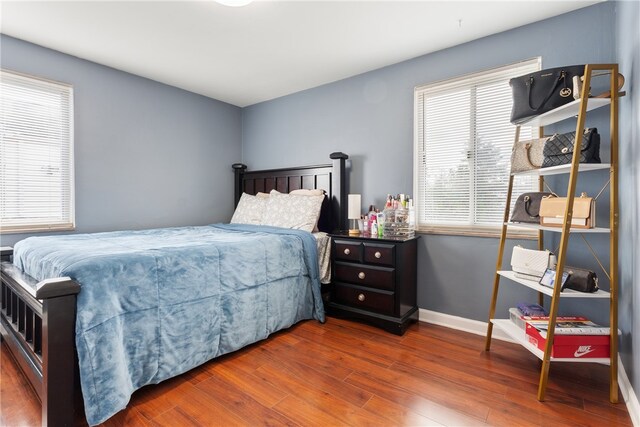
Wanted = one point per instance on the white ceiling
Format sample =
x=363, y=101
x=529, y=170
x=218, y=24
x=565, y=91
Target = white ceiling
x=266, y=49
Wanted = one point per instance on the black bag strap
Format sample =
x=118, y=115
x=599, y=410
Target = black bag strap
x=527, y=204
x=546, y=98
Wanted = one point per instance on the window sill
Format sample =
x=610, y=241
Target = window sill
x=491, y=232
x=36, y=228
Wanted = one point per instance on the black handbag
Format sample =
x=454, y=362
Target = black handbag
x=542, y=91
x=527, y=207
x=558, y=150
x=580, y=279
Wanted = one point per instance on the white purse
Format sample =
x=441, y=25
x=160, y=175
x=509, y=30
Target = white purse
x=530, y=263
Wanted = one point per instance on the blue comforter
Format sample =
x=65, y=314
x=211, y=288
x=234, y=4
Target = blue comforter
x=155, y=303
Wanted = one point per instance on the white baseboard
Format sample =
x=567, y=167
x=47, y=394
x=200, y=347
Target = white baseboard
x=629, y=396
x=480, y=328
x=460, y=323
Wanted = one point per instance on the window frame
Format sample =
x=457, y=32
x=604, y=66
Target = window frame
x=67, y=221
x=466, y=229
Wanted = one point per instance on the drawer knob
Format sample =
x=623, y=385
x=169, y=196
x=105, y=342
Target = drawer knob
x=361, y=275
x=347, y=251
x=360, y=297
x=377, y=255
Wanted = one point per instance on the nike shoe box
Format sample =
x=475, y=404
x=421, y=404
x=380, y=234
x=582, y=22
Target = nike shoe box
x=571, y=346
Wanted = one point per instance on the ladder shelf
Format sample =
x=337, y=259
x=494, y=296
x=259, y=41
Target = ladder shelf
x=576, y=109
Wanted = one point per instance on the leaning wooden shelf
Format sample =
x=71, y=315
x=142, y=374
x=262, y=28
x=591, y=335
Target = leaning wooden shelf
x=518, y=335
x=564, y=169
x=564, y=112
x=577, y=109
x=567, y=293
x=597, y=230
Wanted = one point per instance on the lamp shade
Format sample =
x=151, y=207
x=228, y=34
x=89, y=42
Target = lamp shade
x=354, y=206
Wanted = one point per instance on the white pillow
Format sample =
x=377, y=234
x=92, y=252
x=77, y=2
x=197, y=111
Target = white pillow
x=290, y=211
x=299, y=192
x=250, y=210
x=305, y=192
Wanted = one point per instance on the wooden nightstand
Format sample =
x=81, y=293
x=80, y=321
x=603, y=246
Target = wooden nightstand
x=374, y=280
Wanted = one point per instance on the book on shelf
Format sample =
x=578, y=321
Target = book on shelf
x=526, y=309
x=565, y=325
x=569, y=326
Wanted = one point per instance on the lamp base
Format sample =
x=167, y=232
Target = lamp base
x=354, y=232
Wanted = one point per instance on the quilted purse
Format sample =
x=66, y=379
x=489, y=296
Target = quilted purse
x=527, y=155
x=531, y=264
x=558, y=149
x=527, y=207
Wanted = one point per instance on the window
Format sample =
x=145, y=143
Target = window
x=463, y=141
x=36, y=154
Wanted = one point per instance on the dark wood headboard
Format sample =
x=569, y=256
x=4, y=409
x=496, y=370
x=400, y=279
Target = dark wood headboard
x=328, y=177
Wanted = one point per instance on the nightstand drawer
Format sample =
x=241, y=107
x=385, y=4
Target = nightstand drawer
x=379, y=254
x=381, y=302
x=348, y=250
x=375, y=277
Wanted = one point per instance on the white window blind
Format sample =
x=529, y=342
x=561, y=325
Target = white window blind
x=36, y=154
x=463, y=142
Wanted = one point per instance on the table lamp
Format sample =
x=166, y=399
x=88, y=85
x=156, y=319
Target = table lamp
x=354, y=214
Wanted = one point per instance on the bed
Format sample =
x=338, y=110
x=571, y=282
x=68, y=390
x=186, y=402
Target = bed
x=166, y=315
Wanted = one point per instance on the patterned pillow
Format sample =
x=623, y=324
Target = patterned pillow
x=289, y=211
x=250, y=210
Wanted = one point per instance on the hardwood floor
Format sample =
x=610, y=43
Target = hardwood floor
x=345, y=373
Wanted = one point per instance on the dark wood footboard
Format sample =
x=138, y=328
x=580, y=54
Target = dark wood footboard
x=37, y=323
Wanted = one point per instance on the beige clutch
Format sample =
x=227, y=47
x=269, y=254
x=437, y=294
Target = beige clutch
x=552, y=210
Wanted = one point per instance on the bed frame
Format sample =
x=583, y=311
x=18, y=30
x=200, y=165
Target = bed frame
x=37, y=319
x=330, y=178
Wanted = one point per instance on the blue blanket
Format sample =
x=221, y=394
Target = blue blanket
x=155, y=303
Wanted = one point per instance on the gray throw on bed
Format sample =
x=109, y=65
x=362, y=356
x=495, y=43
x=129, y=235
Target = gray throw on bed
x=155, y=303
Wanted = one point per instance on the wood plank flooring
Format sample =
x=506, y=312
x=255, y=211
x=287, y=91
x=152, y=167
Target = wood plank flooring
x=349, y=374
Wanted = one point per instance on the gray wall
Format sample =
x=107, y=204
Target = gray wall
x=146, y=154
x=370, y=117
x=628, y=56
